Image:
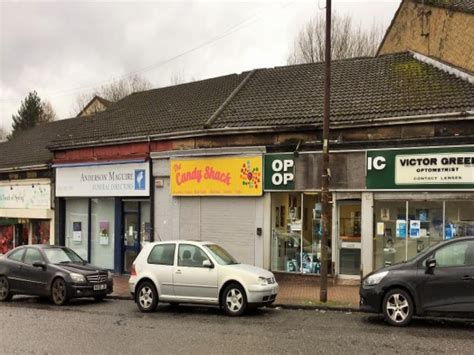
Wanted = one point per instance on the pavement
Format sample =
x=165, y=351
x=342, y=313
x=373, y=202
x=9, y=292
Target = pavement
x=31, y=326
x=295, y=291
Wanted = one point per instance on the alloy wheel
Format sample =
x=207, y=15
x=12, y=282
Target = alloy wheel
x=59, y=292
x=4, y=289
x=234, y=300
x=145, y=297
x=398, y=308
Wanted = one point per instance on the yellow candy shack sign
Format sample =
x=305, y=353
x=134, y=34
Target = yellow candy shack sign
x=226, y=176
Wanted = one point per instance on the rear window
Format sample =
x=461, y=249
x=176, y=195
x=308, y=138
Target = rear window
x=162, y=254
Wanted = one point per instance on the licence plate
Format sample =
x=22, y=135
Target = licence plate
x=100, y=287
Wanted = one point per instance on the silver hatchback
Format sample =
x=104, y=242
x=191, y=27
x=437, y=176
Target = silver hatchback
x=198, y=272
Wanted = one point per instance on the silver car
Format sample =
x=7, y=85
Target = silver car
x=198, y=272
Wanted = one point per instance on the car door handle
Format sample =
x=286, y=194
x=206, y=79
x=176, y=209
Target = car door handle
x=467, y=278
x=178, y=271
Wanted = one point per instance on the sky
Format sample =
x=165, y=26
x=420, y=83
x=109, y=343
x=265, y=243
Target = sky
x=63, y=49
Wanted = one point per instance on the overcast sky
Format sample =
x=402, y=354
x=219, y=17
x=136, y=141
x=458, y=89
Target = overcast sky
x=64, y=48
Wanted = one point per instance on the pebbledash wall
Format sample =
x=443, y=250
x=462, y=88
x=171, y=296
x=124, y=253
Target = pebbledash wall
x=106, y=210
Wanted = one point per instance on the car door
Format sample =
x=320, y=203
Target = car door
x=191, y=279
x=161, y=261
x=449, y=286
x=35, y=278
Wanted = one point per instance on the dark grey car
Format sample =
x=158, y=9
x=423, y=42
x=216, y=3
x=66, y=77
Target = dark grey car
x=51, y=271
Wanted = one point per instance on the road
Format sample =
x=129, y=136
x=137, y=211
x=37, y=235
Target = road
x=32, y=326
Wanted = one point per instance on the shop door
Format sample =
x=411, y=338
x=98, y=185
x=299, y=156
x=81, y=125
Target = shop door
x=131, y=231
x=136, y=230
x=349, y=228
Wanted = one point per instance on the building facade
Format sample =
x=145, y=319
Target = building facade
x=435, y=28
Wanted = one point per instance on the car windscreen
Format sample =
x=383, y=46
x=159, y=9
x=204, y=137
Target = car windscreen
x=62, y=256
x=220, y=254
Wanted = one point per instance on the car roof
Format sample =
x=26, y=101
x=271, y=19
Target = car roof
x=189, y=241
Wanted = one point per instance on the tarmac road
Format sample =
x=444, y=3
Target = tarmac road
x=33, y=326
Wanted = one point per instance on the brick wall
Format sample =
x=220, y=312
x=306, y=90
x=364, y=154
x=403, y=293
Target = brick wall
x=433, y=31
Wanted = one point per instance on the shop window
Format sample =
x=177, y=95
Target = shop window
x=400, y=236
x=77, y=226
x=6, y=239
x=459, y=219
x=102, y=232
x=296, y=233
x=41, y=231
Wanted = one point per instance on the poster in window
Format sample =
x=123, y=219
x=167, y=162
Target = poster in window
x=415, y=228
x=423, y=215
x=401, y=228
x=385, y=214
x=380, y=228
x=77, y=232
x=104, y=227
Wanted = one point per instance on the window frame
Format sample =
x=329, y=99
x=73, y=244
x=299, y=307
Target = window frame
x=162, y=245
x=195, y=246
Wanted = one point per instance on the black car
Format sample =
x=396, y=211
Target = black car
x=437, y=282
x=52, y=271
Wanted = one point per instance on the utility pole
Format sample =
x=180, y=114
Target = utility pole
x=325, y=197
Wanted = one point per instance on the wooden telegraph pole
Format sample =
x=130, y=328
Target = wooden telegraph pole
x=325, y=196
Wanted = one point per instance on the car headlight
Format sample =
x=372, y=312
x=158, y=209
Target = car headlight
x=77, y=277
x=375, y=279
x=110, y=275
x=263, y=281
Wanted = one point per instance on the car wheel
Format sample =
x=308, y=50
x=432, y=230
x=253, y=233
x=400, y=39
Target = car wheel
x=147, y=297
x=398, y=307
x=5, y=294
x=59, y=292
x=99, y=298
x=234, y=300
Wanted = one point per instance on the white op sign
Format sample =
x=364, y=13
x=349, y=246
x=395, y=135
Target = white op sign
x=131, y=179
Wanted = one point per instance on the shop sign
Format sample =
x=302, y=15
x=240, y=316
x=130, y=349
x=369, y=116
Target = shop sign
x=279, y=173
x=226, y=176
x=130, y=179
x=31, y=196
x=436, y=168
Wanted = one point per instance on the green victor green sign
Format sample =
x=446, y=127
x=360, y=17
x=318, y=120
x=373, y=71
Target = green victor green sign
x=431, y=168
x=279, y=171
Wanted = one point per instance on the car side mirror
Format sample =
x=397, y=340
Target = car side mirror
x=430, y=264
x=40, y=264
x=207, y=263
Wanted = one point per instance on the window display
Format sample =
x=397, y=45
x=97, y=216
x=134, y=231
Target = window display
x=102, y=232
x=400, y=236
x=41, y=231
x=6, y=239
x=77, y=225
x=296, y=233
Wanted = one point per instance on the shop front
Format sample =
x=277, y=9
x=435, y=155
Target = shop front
x=421, y=197
x=293, y=182
x=212, y=195
x=26, y=214
x=107, y=217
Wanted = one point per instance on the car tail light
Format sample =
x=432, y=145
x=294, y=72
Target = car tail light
x=133, y=272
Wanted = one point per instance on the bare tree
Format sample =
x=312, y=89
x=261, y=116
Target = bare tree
x=113, y=91
x=48, y=114
x=348, y=40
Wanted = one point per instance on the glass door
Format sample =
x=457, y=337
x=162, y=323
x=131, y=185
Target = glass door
x=131, y=230
x=349, y=226
x=136, y=230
